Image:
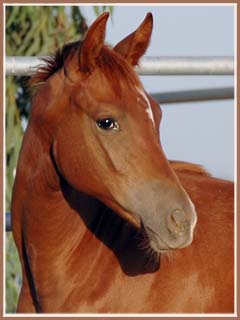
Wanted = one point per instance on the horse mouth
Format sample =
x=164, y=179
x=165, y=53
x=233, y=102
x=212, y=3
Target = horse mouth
x=155, y=242
x=159, y=244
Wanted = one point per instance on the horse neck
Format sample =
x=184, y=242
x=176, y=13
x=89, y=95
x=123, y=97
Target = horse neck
x=38, y=201
x=51, y=206
x=66, y=217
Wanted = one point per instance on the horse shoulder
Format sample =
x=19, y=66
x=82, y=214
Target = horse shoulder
x=214, y=236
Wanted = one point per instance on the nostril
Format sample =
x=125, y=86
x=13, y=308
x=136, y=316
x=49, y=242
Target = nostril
x=176, y=222
x=178, y=217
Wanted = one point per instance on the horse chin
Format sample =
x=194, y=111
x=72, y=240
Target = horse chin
x=159, y=248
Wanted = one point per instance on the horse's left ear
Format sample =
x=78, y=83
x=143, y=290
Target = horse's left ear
x=135, y=44
x=93, y=43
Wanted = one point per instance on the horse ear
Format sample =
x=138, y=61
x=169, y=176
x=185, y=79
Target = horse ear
x=135, y=44
x=93, y=43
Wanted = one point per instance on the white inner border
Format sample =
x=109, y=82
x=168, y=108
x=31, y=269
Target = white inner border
x=234, y=5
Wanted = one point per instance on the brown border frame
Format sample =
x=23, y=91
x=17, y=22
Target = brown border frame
x=2, y=156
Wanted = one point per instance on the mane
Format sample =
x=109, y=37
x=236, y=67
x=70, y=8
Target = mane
x=51, y=64
x=190, y=168
x=111, y=64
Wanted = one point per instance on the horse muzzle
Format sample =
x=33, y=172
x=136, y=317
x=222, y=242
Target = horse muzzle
x=174, y=232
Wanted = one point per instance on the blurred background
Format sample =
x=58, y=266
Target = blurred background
x=199, y=132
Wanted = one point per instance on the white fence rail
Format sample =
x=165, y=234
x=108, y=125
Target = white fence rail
x=187, y=66
x=25, y=66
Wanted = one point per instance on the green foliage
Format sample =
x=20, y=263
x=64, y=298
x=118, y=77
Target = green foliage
x=30, y=31
x=40, y=30
x=100, y=9
x=13, y=274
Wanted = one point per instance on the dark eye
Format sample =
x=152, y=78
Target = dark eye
x=107, y=124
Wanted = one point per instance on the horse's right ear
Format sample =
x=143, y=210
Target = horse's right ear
x=93, y=43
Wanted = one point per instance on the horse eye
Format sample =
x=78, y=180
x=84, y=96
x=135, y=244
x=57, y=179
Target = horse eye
x=107, y=124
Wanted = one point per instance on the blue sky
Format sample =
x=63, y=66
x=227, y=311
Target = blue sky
x=201, y=132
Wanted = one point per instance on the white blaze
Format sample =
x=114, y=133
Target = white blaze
x=148, y=109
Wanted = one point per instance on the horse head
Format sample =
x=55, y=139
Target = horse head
x=104, y=131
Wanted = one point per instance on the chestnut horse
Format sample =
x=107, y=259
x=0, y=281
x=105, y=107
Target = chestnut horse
x=99, y=215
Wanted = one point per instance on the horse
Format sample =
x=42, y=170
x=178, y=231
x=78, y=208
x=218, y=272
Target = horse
x=102, y=221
